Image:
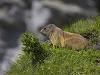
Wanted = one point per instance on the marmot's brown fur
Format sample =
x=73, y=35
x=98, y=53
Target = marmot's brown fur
x=60, y=38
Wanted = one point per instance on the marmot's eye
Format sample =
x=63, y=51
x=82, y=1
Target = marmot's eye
x=44, y=28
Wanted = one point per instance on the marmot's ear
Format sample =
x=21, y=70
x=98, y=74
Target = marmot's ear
x=53, y=25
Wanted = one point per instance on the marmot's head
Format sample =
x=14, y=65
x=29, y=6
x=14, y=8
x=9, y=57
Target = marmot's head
x=48, y=29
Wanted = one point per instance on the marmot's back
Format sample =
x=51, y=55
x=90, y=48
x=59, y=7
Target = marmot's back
x=60, y=38
x=75, y=41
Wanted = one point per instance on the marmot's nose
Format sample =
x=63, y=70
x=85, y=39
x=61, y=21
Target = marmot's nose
x=41, y=30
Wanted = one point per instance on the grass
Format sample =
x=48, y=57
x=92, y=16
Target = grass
x=60, y=61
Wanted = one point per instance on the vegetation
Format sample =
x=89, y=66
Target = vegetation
x=40, y=58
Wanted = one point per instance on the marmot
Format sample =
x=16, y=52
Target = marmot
x=60, y=38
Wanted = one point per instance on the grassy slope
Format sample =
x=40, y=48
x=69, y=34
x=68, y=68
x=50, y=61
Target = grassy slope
x=63, y=61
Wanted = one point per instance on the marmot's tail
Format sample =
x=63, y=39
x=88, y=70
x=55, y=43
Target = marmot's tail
x=95, y=47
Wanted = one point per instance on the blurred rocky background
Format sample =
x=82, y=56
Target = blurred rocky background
x=18, y=16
